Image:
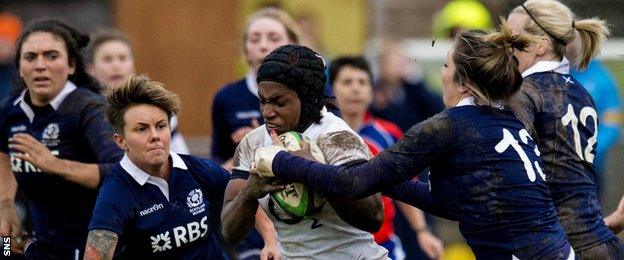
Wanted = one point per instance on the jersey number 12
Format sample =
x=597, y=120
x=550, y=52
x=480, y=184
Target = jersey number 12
x=570, y=119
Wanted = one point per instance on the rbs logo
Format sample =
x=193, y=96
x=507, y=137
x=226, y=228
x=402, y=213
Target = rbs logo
x=181, y=235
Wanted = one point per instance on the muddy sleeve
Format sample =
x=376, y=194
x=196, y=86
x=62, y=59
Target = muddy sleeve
x=422, y=144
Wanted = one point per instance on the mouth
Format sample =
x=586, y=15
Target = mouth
x=41, y=80
x=271, y=126
x=117, y=78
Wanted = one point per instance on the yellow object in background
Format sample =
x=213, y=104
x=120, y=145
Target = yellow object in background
x=458, y=251
x=459, y=15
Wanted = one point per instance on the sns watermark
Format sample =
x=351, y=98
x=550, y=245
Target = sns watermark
x=6, y=246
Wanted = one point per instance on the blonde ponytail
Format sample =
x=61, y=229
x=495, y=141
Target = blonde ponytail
x=592, y=33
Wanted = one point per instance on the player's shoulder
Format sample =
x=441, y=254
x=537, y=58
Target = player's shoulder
x=194, y=163
x=231, y=89
x=255, y=138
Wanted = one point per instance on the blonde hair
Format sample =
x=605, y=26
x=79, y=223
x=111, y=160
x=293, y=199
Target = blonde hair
x=138, y=90
x=292, y=29
x=554, y=19
x=485, y=62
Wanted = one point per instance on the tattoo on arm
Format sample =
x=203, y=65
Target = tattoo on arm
x=100, y=244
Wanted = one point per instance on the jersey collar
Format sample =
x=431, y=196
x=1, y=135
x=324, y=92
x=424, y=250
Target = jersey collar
x=252, y=85
x=562, y=67
x=55, y=103
x=470, y=101
x=141, y=177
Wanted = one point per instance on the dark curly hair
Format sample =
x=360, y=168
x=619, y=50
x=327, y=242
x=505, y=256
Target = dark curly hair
x=74, y=42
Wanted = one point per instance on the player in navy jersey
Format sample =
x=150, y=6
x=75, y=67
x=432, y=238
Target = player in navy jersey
x=54, y=142
x=563, y=117
x=155, y=204
x=485, y=168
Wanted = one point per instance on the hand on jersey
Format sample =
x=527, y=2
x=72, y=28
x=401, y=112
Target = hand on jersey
x=10, y=226
x=256, y=187
x=34, y=152
x=270, y=252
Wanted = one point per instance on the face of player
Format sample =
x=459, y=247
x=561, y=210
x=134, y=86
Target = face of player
x=146, y=137
x=280, y=106
x=517, y=22
x=263, y=36
x=353, y=90
x=44, y=66
x=112, y=63
x=452, y=91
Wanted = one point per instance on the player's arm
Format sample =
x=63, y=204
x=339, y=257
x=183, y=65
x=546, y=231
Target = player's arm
x=365, y=214
x=269, y=236
x=34, y=152
x=422, y=144
x=9, y=220
x=428, y=242
x=100, y=245
x=615, y=221
x=240, y=205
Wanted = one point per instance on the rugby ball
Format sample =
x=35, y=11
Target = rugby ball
x=298, y=199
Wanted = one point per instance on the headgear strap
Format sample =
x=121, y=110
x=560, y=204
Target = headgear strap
x=562, y=42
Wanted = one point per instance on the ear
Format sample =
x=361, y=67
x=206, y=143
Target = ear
x=463, y=89
x=120, y=141
x=543, y=46
x=72, y=67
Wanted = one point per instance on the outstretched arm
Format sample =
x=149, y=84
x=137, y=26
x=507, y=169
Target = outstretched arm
x=413, y=153
x=100, y=245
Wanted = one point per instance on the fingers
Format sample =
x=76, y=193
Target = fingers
x=5, y=228
x=275, y=138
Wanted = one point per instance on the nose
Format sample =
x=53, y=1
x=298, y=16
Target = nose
x=267, y=111
x=40, y=64
x=264, y=45
x=155, y=135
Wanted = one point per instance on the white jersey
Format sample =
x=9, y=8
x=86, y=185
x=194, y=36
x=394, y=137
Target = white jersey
x=322, y=235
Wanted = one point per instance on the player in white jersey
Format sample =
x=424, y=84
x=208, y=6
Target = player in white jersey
x=291, y=81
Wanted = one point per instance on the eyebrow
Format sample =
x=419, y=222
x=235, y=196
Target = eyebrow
x=44, y=53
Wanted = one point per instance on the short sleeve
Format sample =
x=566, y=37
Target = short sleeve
x=343, y=147
x=113, y=208
x=243, y=156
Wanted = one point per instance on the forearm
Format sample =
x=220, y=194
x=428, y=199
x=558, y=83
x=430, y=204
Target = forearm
x=415, y=217
x=265, y=227
x=417, y=194
x=85, y=174
x=365, y=214
x=238, y=217
x=354, y=182
x=8, y=184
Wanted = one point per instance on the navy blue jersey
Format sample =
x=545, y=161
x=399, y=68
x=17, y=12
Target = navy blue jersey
x=564, y=118
x=73, y=128
x=149, y=224
x=485, y=172
x=234, y=106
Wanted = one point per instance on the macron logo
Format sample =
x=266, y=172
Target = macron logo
x=151, y=209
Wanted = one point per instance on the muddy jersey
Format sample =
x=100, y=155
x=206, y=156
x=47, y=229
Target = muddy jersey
x=565, y=121
x=485, y=172
x=322, y=235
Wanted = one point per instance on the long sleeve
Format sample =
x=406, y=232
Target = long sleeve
x=417, y=194
x=99, y=134
x=422, y=144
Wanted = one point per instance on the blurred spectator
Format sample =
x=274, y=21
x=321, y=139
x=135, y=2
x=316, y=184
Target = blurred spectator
x=397, y=99
x=351, y=79
x=599, y=82
x=10, y=28
x=111, y=62
x=404, y=103
x=459, y=15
